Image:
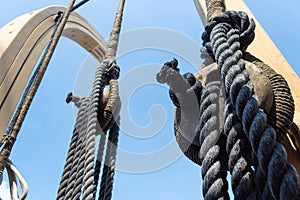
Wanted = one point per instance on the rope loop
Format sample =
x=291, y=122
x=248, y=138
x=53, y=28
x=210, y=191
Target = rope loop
x=112, y=70
x=231, y=20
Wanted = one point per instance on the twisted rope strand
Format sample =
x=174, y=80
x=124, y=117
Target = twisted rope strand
x=238, y=150
x=71, y=161
x=74, y=183
x=89, y=189
x=282, y=112
x=98, y=164
x=109, y=162
x=114, y=132
x=214, y=170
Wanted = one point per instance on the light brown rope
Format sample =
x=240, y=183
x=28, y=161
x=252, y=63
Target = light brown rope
x=4, y=154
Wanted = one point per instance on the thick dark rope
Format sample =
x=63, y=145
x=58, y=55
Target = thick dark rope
x=191, y=151
x=71, y=157
x=88, y=169
x=237, y=146
x=75, y=181
x=226, y=37
x=209, y=150
x=239, y=153
x=109, y=167
x=212, y=145
x=99, y=159
x=282, y=112
x=104, y=178
x=84, y=185
x=112, y=151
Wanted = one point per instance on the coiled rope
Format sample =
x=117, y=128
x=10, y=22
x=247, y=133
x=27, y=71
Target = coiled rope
x=226, y=36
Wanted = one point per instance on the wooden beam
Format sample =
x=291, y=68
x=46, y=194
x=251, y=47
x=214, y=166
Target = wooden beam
x=264, y=48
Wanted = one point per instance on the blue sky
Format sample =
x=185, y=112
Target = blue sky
x=164, y=30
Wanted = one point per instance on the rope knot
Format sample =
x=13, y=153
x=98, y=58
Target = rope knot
x=169, y=72
x=112, y=71
x=240, y=25
x=181, y=86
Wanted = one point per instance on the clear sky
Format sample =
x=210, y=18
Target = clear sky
x=150, y=164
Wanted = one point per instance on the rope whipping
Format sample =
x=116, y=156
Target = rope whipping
x=226, y=37
x=5, y=152
x=97, y=115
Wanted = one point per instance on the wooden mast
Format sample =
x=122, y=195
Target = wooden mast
x=264, y=48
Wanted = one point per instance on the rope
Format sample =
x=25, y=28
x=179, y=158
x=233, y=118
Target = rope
x=212, y=145
x=208, y=152
x=239, y=153
x=76, y=173
x=98, y=164
x=282, y=112
x=214, y=7
x=106, y=188
x=72, y=158
x=13, y=175
x=226, y=37
x=82, y=178
x=237, y=145
x=79, y=4
x=5, y=152
x=89, y=187
x=112, y=45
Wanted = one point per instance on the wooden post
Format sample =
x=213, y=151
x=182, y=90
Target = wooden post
x=264, y=48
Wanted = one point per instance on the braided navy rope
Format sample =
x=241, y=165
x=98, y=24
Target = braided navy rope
x=100, y=80
x=226, y=36
x=214, y=170
x=209, y=151
x=106, y=169
x=71, y=155
x=98, y=163
x=80, y=126
x=109, y=156
x=282, y=112
x=113, y=138
x=104, y=178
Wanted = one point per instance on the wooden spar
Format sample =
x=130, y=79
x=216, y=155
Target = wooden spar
x=264, y=48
